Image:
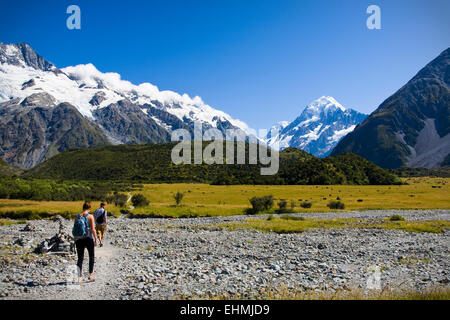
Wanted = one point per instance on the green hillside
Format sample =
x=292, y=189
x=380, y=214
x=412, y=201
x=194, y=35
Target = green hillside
x=152, y=164
x=6, y=170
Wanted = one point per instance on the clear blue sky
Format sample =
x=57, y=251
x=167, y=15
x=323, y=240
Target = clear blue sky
x=260, y=61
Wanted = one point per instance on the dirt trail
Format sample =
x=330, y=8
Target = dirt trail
x=104, y=273
x=128, y=201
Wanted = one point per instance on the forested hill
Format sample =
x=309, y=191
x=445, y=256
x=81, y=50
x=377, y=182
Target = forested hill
x=152, y=163
x=6, y=170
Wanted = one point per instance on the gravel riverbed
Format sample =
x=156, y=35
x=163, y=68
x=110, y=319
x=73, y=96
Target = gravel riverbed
x=173, y=258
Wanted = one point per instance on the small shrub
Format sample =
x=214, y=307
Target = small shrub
x=178, y=197
x=336, y=205
x=306, y=204
x=257, y=205
x=270, y=218
x=360, y=200
x=295, y=218
x=293, y=205
x=396, y=217
x=139, y=200
x=260, y=204
x=282, y=205
x=268, y=202
x=119, y=199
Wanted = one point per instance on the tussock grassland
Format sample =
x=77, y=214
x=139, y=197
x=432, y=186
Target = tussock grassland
x=286, y=225
x=282, y=293
x=208, y=200
x=30, y=210
x=7, y=222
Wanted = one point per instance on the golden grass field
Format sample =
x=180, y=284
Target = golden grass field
x=288, y=224
x=207, y=200
x=283, y=293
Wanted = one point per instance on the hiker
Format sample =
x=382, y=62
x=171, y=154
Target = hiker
x=85, y=237
x=100, y=216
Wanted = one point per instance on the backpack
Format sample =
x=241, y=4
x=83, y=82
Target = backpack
x=81, y=227
x=100, y=219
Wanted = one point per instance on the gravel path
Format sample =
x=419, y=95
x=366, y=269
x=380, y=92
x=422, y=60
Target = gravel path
x=172, y=258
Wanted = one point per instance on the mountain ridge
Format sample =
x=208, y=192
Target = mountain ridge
x=412, y=126
x=114, y=111
x=318, y=129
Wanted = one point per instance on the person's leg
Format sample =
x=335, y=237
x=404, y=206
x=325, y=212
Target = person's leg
x=102, y=230
x=80, y=245
x=90, y=247
x=98, y=228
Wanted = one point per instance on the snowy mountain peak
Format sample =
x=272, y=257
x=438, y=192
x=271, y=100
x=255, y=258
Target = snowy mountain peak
x=110, y=108
x=321, y=125
x=24, y=72
x=276, y=129
x=23, y=55
x=324, y=103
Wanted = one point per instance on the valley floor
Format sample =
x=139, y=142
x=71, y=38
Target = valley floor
x=202, y=200
x=198, y=258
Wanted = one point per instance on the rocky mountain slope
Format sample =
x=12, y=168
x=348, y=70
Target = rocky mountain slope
x=318, y=129
x=412, y=127
x=46, y=110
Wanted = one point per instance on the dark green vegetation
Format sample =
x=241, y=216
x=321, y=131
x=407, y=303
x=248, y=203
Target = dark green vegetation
x=336, y=205
x=34, y=215
x=260, y=204
x=282, y=206
x=396, y=217
x=178, y=197
x=306, y=204
x=386, y=136
x=406, y=172
x=152, y=164
x=138, y=200
x=51, y=190
x=119, y=199
x=8, y=171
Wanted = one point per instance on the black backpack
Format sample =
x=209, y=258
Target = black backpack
x=101, y=219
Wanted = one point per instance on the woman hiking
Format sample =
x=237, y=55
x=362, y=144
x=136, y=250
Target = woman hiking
x=85, y=237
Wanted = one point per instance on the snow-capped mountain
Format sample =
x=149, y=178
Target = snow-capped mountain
x=276, y=128
x=321, y=125
x=112, y=110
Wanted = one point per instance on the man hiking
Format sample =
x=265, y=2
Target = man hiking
x=100, y=216
x=84, y=233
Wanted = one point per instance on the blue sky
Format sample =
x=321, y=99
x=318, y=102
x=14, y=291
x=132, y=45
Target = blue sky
x=260, y=61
